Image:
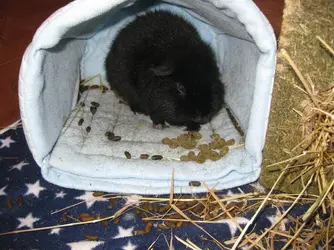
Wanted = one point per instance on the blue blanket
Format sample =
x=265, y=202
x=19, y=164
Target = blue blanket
x=27, y=200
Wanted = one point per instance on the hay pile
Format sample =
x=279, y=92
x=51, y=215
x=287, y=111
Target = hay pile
x=299, y=101
x=315, y=229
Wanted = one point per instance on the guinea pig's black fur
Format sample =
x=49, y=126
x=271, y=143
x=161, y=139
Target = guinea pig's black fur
x=162, y=68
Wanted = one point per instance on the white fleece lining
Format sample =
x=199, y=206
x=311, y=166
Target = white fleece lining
x=70, y=44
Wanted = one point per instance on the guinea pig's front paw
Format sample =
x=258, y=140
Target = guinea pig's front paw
x=192, y=126
x=160, y=126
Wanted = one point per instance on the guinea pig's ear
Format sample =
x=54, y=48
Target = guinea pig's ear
x=181, y=89
x=162, y=70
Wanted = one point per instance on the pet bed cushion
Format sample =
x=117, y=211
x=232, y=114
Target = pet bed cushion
x=71, y=45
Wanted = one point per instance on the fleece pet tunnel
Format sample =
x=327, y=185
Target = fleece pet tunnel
x=68, y=52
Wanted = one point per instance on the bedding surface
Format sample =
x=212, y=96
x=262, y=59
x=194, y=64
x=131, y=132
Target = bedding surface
x=92, y=159
x=21, y=176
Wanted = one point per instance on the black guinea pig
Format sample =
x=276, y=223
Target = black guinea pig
x=161, y=67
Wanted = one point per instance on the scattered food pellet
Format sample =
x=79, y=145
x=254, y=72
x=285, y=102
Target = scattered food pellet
x=214, y=145
x=230, y=142
x=174, y=143
x=215, y=137
x=86, y=217
x=148, y=227
x=127, y=155
x=64, y=217
x=155, y=208
x=95, y=104
x=196, y=135
x=164, y=209
x=139, y=232
x=94, y=86
x=194, y=183
x=116, y=220
x=105, y=88
x=181, y=205
x=206, y=154
x=222, y=142
x=144, y=156
x=185, y=158
x=115, y=138
x=165, y=141
x=170, y=224
x=93, y=110
x=200, y=159
x=105, y=223
x=188, y=146
x=97, y=194
x=214, y=156
x=173, y=146
x=156, y=157
x=91, y=237
x=113, y=201
x=80, y=122
x=204, y=147
x=111, y=136
x=179, y=223
x=108, y=133
x=192, y=155
x=224, y=151
x=213, y=150
x=88, y=129
x=162, y=226
x=83, y=88
x=19, y=201
x=9, y=203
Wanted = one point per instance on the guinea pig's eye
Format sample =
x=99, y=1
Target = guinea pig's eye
x=181, y=88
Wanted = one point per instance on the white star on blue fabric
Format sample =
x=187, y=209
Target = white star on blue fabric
x=230, y=194
x=2, y=190
x=231, y=225
x=90, y=198
x=122, y=232
x=274, y=218
x=27, y=221
x=84, y=245
x=129, y=216
x=257, y=186
x=61, y=195
x=55, y=231
x=134, y=198
x=18, y=166
x=129, y=246
x=34, y=189
x=6, y=142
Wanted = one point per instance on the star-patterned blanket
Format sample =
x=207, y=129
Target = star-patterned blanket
x=27, y=202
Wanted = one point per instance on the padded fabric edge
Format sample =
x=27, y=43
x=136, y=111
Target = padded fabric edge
x=68, y=180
